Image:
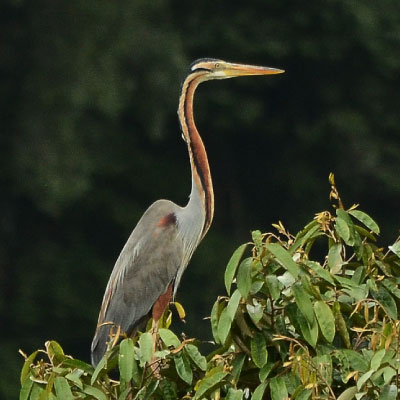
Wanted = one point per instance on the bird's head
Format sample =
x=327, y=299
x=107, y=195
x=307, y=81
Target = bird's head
x=210, y=68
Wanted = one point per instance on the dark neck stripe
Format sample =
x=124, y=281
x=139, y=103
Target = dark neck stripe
x=196, y=147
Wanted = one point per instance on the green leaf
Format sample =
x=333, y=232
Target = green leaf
x=233, y=304
x=325, y=320
x=255, y=311
x=169, y=338
x=211, y=380
x=244, y=277
x=259, y=392
x=284, y=258
x=37, y=392
x=355, y=360
x=264, y=371
x=55, y=352
x=377, y=359
x=100, y=366
x=26, y=389
x=278, y=388
x=196, y=357
x=389, y=392
x=335, y=260
x=232, y=266
x=305, y=394
x=348, y=394
x=395, y=249
x=386, y=300
x=224, y=326
x=26, y=369
x=234, y=394
x=237, y=366
x=259, y=352
x=321, y=272
x=63, y=390
x=74, y=363
x=274, y=286
x=366, y=220
x=343, y=230
x=183, y=369
x=126, y=361
x=74, y=377
x=303, y=302
x=146, y=347
x=309, y=331
x=214, y=318
x=363, y=379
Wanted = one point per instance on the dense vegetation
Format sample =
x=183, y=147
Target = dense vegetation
x=295, y=323
x=90, y=138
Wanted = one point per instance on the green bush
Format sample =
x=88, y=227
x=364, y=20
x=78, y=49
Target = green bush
x=310, y=316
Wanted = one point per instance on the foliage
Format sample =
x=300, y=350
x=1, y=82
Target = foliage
x=307, y=316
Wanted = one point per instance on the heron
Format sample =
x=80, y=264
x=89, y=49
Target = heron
x=149, y=268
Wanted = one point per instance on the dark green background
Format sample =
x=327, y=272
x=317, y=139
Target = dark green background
x=90, y=138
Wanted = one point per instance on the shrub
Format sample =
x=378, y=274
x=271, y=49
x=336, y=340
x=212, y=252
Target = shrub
x=306, y=316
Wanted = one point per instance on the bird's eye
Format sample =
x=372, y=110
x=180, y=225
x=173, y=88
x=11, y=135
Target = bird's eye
x=217, y=65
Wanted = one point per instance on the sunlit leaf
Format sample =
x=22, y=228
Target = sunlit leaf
x=244, y=277
x=278, y=388
x=284, y=258
x=366, y=220
x=63, y=390
x=364, y=379
x=334, y=258
x=25, y=372
x=259, y=392
x=233, y=304
x=146, y=347
x=303, y=302
x=232, y=266
x=212, y=379
x=377, y=359
x=274, y=286
x=389, y=392
x=180, y=309
x=321, y=272
x=395, y=248
x=55, y=352
x=224, y=326
x=234, y=394
x=325, y=319
x=196, y=356
x=169, y=338
x=348, y=394
x=126, y=360
x=183, y=369
x=214, y=318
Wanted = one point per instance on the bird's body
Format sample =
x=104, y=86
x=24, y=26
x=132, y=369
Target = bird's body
x=149, y=268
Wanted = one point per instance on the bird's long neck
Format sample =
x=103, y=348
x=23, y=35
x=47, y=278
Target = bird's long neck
x=202, y=194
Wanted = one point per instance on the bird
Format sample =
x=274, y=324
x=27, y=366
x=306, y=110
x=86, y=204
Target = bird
x=149, y=268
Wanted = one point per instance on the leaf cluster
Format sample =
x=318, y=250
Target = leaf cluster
x=306, y=316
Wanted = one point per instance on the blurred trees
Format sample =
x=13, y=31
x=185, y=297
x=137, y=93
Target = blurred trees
x=90, y=138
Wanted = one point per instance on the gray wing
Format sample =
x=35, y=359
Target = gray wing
x=145, y=268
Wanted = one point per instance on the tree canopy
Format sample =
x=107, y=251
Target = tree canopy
x=90, y=138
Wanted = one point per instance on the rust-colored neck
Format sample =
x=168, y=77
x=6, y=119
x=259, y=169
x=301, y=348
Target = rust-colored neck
x=202, y=188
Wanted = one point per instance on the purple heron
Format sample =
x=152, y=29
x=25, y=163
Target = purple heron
x=148, y=271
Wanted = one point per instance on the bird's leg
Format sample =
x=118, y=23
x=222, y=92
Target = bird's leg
x=158, y=310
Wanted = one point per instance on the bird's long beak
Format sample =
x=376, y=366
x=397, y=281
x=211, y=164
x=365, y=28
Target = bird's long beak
x=232, y=70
